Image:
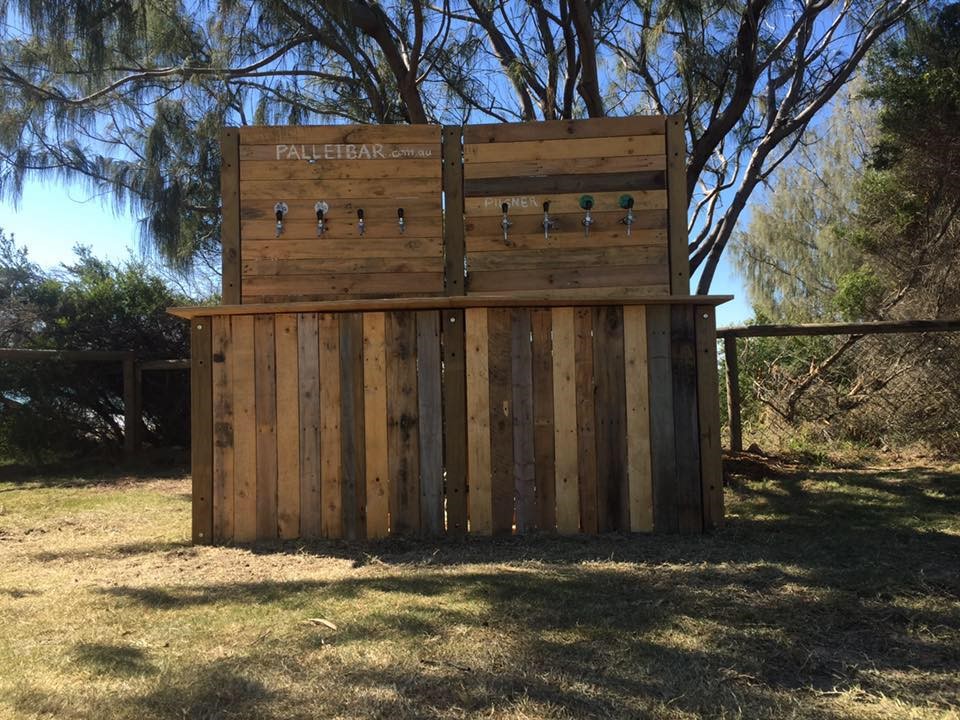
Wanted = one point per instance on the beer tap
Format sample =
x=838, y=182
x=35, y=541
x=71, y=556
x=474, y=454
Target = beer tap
x=360, y=225
x=586, y=202
x=280, y=210
x=322, y=209
x=626, y=202
x=400, y=220
x=505, y=222
x=548, y=222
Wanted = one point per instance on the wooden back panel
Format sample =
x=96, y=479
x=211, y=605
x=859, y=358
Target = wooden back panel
x=526, y=164
x=375, y=168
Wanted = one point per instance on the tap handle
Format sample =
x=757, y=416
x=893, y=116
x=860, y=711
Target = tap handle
x=626, y=202
x=586, y=202
x=546, y=206
x=504, y=208
x=280, y=209
x=322, y=208
x=400, y=213
x=360, y=214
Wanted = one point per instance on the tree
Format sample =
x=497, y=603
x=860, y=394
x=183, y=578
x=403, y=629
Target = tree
x=128, y=96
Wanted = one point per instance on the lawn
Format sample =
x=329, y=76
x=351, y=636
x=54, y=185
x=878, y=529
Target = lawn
x=833, y=593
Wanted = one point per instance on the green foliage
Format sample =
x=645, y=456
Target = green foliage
x=859, y=294
x=52, y=408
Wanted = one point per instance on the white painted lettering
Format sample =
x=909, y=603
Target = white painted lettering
x=281, y=149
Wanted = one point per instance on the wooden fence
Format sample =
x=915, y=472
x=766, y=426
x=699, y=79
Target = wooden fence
x=876, y=327
x=433, y=416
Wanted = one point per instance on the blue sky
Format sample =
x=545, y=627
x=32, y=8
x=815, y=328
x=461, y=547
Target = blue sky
x=52, y=218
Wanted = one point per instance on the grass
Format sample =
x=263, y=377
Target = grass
x=832, y=593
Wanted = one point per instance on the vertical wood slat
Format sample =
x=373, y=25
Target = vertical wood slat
x=613, y=508
x=708, y=407
x=663, y=456
x=244, y=430
x=353, y=501
x=311, y=490
x=265, y=394
x=230, y=215
x=479, y=494
x=288, y=427
x=586, y=429
x=375, y=424
x=454, y=247
x=524, y=457
x=429, y=410
x=223, y=467
x=638, y=418
x=330, y=461
x=543, y=432
x=403, y=439
x=677, y=204
x=201, y=430
x=501, y=419
x=567, y=486
x=686, y=431
x=454, y=392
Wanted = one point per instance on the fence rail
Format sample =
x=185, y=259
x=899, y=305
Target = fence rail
x=133, y=368
x=877, y=327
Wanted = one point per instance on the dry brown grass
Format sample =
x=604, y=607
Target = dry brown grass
x=832, y=594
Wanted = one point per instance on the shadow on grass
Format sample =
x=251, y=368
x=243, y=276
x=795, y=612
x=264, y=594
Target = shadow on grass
x=113, y=552
x=83, y=472
x=113, y=659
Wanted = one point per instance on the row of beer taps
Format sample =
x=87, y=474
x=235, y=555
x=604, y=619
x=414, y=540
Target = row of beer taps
x=322, y=208
x=586, y=203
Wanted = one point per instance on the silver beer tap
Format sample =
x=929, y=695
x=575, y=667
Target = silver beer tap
x=322, y=209
x=505, y=222
x=280, y=211
x=400, y=221
x=360, y=225
x=548, y=222
x=626, y=202
x=586, y=202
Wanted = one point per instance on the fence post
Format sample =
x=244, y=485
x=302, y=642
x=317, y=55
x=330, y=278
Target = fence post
x=733, y=393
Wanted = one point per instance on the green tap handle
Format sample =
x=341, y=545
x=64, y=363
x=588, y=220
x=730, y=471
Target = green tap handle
x=625, y=201
x=586, y=202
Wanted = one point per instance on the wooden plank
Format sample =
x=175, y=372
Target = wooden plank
x=555, y=259
x=339, y=134
x=564, y=166
x=592, y=183
x=586, y=426
x=403, y=433
x=683, y=355
x=320, y=266
x=569, y=240
x=524, y=457
x=501, y=420
x=230, y=215
x=606, y=220
x=266, y=415
x=543, y=430
x=341, y=217
x=253, y=190
x=479, y=484
x=354, y=491
x=288, y=427
x=320, y=249
x=341, y=238
x=244, y=431
x=561, y=204
x=311, y=488
x=677, y=191
x=201, y=431
x=280, y=170
x=613, y=506
x=375, y=425
x=430, y=413
x=563, y=129
x=663, y=455
x=708, y=407
x=308, y=152
x=733, y=392
x=554, y=298
x=653, y=277
x=223, y=478
x=575, y=149
x=331, y=477
x=453, y=228
x=453, y=342
x=637, y=398
x=336, y=285
x=565, y=420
